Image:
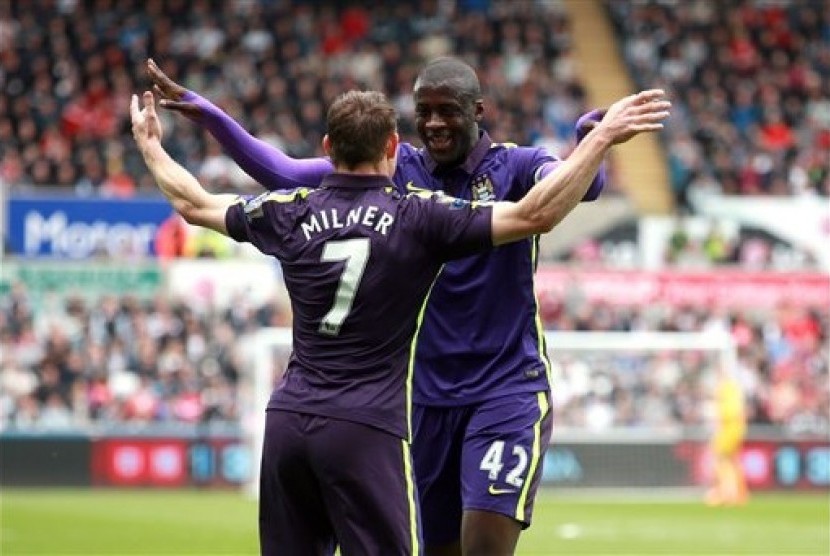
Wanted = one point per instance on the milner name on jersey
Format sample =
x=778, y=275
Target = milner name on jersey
x=369, y=216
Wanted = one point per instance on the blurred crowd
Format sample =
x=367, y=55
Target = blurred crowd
x=71, y=361
x=69, y=68
x=750, y=86
x=750, y=83
x=783, y=365
x=750, y=80
x=75, y=362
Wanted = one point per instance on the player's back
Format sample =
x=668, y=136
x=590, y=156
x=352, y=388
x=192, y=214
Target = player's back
x=358, y=260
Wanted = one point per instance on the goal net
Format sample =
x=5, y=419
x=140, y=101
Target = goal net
x=631, y=384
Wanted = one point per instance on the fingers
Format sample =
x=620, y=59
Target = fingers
x=650, y=105
x=649, y=95
x=155, y=72
x=644, y=99
x=656, y=107
x=139, y=115
x=641, y=112
x=149, y=104
x=640, y=128
x=171, y=104
x=187, y=109
x=162, y=84
x=137, y=119
x=134, y=110
x=166, y=100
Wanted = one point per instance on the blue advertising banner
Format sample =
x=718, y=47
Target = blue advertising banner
x=71, y=228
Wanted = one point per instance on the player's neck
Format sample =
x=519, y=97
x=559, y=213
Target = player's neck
x=379, y=168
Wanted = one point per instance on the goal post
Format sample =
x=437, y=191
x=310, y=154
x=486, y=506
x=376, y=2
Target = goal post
x=270, y=354
x=642, y=341
x=594, y=350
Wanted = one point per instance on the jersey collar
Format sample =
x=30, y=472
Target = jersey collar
x=338, y=180
x=473, y=159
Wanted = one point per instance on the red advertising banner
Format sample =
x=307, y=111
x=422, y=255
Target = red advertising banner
x=725, y=288
x=140, y=462
x=767, y=464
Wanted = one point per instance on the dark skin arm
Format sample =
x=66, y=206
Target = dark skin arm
x=171, y=93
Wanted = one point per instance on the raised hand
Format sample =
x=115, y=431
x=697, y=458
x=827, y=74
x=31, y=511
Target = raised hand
x=146, y=123
x=170, y=93
x=635, y=114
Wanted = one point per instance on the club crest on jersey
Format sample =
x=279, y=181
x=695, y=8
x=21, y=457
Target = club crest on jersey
x=253, y=207
x=482, y=188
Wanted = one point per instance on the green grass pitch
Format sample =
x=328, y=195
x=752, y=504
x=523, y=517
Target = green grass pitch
x=191, y=522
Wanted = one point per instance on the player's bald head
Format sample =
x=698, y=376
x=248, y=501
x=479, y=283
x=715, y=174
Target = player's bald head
x=451, y=73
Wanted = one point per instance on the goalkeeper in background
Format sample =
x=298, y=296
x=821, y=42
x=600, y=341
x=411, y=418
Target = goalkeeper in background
x=728, y=482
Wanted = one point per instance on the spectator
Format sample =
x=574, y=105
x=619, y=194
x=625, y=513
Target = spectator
x=749, y=82
x=65, y=77
x=156, y=361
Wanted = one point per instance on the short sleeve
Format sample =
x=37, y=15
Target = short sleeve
x=532, y=164
x=260, y=221
x=451, y=227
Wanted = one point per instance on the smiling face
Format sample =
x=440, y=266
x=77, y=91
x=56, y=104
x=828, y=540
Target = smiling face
x=446, y=119
x=448, y=107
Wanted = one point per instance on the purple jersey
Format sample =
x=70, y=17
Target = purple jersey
x=358, y=259
x=481, y=336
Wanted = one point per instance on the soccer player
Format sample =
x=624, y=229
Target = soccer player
x=336, y=466
x=729, y=483
x=481, y=392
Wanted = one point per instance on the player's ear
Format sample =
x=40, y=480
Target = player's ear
x=478, y=109
x=327, y=144
x=392, y=145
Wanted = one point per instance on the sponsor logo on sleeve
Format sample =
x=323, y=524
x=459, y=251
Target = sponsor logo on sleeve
x=253, y=207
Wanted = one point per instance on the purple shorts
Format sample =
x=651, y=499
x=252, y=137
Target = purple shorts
x=486, y=456
x=327, y=482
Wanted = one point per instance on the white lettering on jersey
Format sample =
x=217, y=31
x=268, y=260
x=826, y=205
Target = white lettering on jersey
x=370, y=217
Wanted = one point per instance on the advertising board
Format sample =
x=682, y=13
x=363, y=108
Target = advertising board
x=79, y=228
x=702, y=288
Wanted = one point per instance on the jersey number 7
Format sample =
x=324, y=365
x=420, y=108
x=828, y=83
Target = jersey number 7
x=355, y=252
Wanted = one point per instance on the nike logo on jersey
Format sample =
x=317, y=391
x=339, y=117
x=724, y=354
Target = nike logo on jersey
x=496, y=491
x=411, y=187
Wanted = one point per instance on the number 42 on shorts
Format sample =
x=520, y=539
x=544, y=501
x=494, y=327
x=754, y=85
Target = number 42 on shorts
x=493, y=463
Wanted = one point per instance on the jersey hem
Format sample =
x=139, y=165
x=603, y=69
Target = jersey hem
x=343, y=416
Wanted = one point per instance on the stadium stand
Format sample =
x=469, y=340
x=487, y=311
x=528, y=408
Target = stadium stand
x=120, y=359
x=272, y=65
x=67, y=70
x=639, y=164
x=750, y=83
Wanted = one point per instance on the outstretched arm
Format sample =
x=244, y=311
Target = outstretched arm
x=266, y=164
x=583, y=126
x=181, y=188
x=550, y=200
